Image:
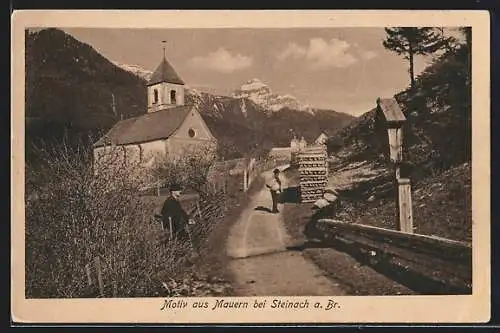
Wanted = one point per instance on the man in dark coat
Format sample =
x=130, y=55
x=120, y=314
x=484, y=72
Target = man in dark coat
x=174, y=216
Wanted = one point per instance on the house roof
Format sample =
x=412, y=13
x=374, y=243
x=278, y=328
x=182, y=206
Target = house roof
x=164, y=73
x=148, y=127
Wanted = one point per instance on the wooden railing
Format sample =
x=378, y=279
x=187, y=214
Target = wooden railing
x=441, y=265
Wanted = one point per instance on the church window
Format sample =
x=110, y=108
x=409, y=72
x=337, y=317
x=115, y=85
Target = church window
x=155, y=96
x=173, y=97
x=191, y=133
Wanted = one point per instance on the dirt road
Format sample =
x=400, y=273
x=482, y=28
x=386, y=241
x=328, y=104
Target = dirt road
x=261, y=264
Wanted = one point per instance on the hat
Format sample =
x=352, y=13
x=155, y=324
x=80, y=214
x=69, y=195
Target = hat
x=175, y=187
x=276, y=170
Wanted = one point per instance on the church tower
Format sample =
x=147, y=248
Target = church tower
x=165, y=87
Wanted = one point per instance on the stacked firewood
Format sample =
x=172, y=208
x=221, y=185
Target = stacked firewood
x=313, y=170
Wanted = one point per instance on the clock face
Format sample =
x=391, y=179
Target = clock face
x=191, y=133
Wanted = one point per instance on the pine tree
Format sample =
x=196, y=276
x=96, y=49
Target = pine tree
x=450, y=43
x=412, y=41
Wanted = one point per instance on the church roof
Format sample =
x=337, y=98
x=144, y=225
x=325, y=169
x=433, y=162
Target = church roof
x=148, y=127
x=164, y=73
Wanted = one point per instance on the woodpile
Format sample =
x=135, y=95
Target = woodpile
x=313, y=170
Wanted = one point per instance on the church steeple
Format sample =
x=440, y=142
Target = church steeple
x=165, y=87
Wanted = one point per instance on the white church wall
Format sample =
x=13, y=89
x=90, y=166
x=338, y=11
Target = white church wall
x=152, y=148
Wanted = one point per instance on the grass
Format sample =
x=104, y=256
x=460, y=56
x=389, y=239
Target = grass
x=442, y=203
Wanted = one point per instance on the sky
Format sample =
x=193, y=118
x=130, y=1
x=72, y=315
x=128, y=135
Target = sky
x=344, y=69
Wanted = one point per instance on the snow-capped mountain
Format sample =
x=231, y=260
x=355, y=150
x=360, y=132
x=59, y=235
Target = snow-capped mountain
x=135, y=69
x=260, y=93
x=254, y=90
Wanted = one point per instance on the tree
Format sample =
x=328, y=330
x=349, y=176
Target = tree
x=412, y=41
x=450, y=43
x=467, y=32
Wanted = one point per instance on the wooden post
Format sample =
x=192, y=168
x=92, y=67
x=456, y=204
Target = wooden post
x=395, y=119
x=225, y=192
x=170, y=228
x=395, y=144
x=89, y=276
x=188, y=231
x=158, y=186
x=99, y=275
x=405, y=205
x=245, y=184
x=249, y=178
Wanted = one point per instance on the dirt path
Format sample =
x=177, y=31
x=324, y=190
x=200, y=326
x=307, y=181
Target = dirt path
x=261, y=264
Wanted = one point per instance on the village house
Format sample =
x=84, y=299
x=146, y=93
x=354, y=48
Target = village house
x=168, y=128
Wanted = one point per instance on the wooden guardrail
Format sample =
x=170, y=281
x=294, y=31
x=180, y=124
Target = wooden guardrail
x=432, y=264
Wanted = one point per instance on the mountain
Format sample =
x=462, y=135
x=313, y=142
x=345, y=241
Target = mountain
x=272, y=128
x=260, y=93
x=72, y=89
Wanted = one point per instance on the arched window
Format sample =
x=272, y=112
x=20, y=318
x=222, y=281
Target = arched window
x=155, y=96
x=173, y=98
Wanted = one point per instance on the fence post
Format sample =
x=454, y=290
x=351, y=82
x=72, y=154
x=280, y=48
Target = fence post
x=224, y=189
x=245, y=184
x=89, y=276
x=99, y=275
x=158, y=186
x=170, y=228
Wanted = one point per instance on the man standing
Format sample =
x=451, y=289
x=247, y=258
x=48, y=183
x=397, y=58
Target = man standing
x=173, y=215
x=274, y=185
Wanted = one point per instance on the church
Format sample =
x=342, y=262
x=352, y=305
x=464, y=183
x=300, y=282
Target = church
x=168, y=128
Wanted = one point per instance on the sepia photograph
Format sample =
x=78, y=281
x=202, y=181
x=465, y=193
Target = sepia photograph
x=244, y=168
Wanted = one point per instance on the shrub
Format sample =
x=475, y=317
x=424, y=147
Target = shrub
x=75, y=212
x=189, y=170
